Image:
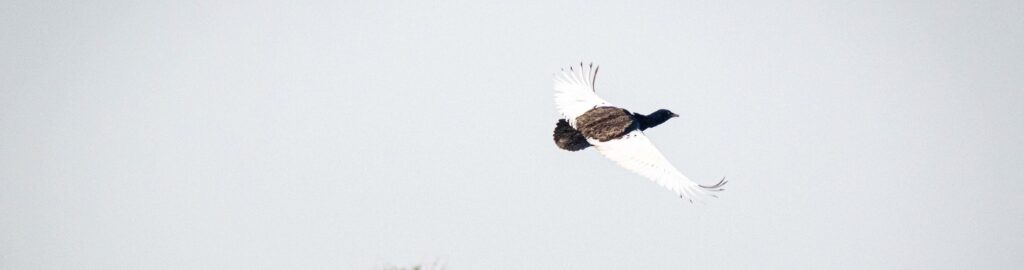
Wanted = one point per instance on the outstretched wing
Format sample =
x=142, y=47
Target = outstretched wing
x=636, y=153
x=574, y=92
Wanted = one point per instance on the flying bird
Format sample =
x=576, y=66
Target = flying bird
x=616, y=133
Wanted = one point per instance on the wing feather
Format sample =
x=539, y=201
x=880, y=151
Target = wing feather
x=636, y=153
x=574, y=92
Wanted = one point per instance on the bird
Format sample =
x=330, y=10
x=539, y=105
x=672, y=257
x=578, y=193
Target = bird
x=587, y=120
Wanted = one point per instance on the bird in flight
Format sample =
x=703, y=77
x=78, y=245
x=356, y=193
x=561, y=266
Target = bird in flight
x=616, y=133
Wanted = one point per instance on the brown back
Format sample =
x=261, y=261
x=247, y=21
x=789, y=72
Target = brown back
x=604, y=123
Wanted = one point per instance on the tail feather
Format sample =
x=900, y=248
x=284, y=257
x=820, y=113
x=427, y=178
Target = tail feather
x=569, y=138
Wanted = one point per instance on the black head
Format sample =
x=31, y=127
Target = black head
x=663, y=114
x=655, y=118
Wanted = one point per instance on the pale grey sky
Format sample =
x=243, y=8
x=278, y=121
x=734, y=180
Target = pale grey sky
x=342, y=135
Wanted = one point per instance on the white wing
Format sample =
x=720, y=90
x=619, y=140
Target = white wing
x=636, y=153
x=574, y=92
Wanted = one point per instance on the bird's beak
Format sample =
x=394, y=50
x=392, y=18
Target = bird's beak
x=675, y=115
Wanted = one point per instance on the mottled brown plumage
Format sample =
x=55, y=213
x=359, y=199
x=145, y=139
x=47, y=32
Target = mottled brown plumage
x=605, y=123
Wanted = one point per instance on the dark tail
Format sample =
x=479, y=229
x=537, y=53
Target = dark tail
x=569, y=138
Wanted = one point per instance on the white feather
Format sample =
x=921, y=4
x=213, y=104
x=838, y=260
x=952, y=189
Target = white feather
x=635, y=152
x=574, y=92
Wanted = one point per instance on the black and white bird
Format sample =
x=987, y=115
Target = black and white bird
x=588, y=120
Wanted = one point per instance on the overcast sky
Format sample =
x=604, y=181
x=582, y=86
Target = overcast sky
x=341, y=135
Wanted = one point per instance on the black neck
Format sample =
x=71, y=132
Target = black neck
x=649, y=121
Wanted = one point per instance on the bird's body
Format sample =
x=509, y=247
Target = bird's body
x=605, y=123
x=617, y=134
